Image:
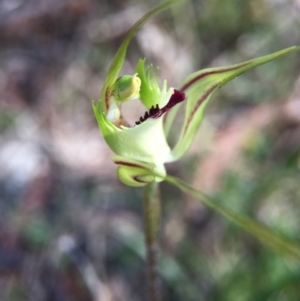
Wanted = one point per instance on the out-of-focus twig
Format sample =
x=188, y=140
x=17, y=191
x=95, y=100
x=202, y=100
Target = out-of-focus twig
x=99, y=290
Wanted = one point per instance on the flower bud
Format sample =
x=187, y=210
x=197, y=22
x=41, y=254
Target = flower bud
x=127, y=87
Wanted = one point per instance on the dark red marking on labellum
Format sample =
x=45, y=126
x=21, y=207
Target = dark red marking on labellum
x=153, y=110
x=156, y=112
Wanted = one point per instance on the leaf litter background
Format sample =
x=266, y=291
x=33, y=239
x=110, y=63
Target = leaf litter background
x=68, y=229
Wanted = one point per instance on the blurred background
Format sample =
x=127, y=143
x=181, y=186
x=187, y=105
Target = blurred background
x=69, y=231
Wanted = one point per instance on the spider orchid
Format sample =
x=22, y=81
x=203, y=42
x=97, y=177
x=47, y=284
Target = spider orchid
x=142, y=148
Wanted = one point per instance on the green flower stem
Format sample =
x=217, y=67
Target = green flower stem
x=152, y=213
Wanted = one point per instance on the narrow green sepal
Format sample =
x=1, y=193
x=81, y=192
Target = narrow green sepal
x=256, y=229
x=199, y=88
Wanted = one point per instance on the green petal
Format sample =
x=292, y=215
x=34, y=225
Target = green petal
x=138, y=174
x=261, y=232
x=200, y=86
x=118, y=60
x=145, y=142
x=133, y=173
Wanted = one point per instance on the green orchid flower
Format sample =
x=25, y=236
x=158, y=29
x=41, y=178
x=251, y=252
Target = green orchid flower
x=142, y=148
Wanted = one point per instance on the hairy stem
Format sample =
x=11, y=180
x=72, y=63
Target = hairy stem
x=152, y=212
